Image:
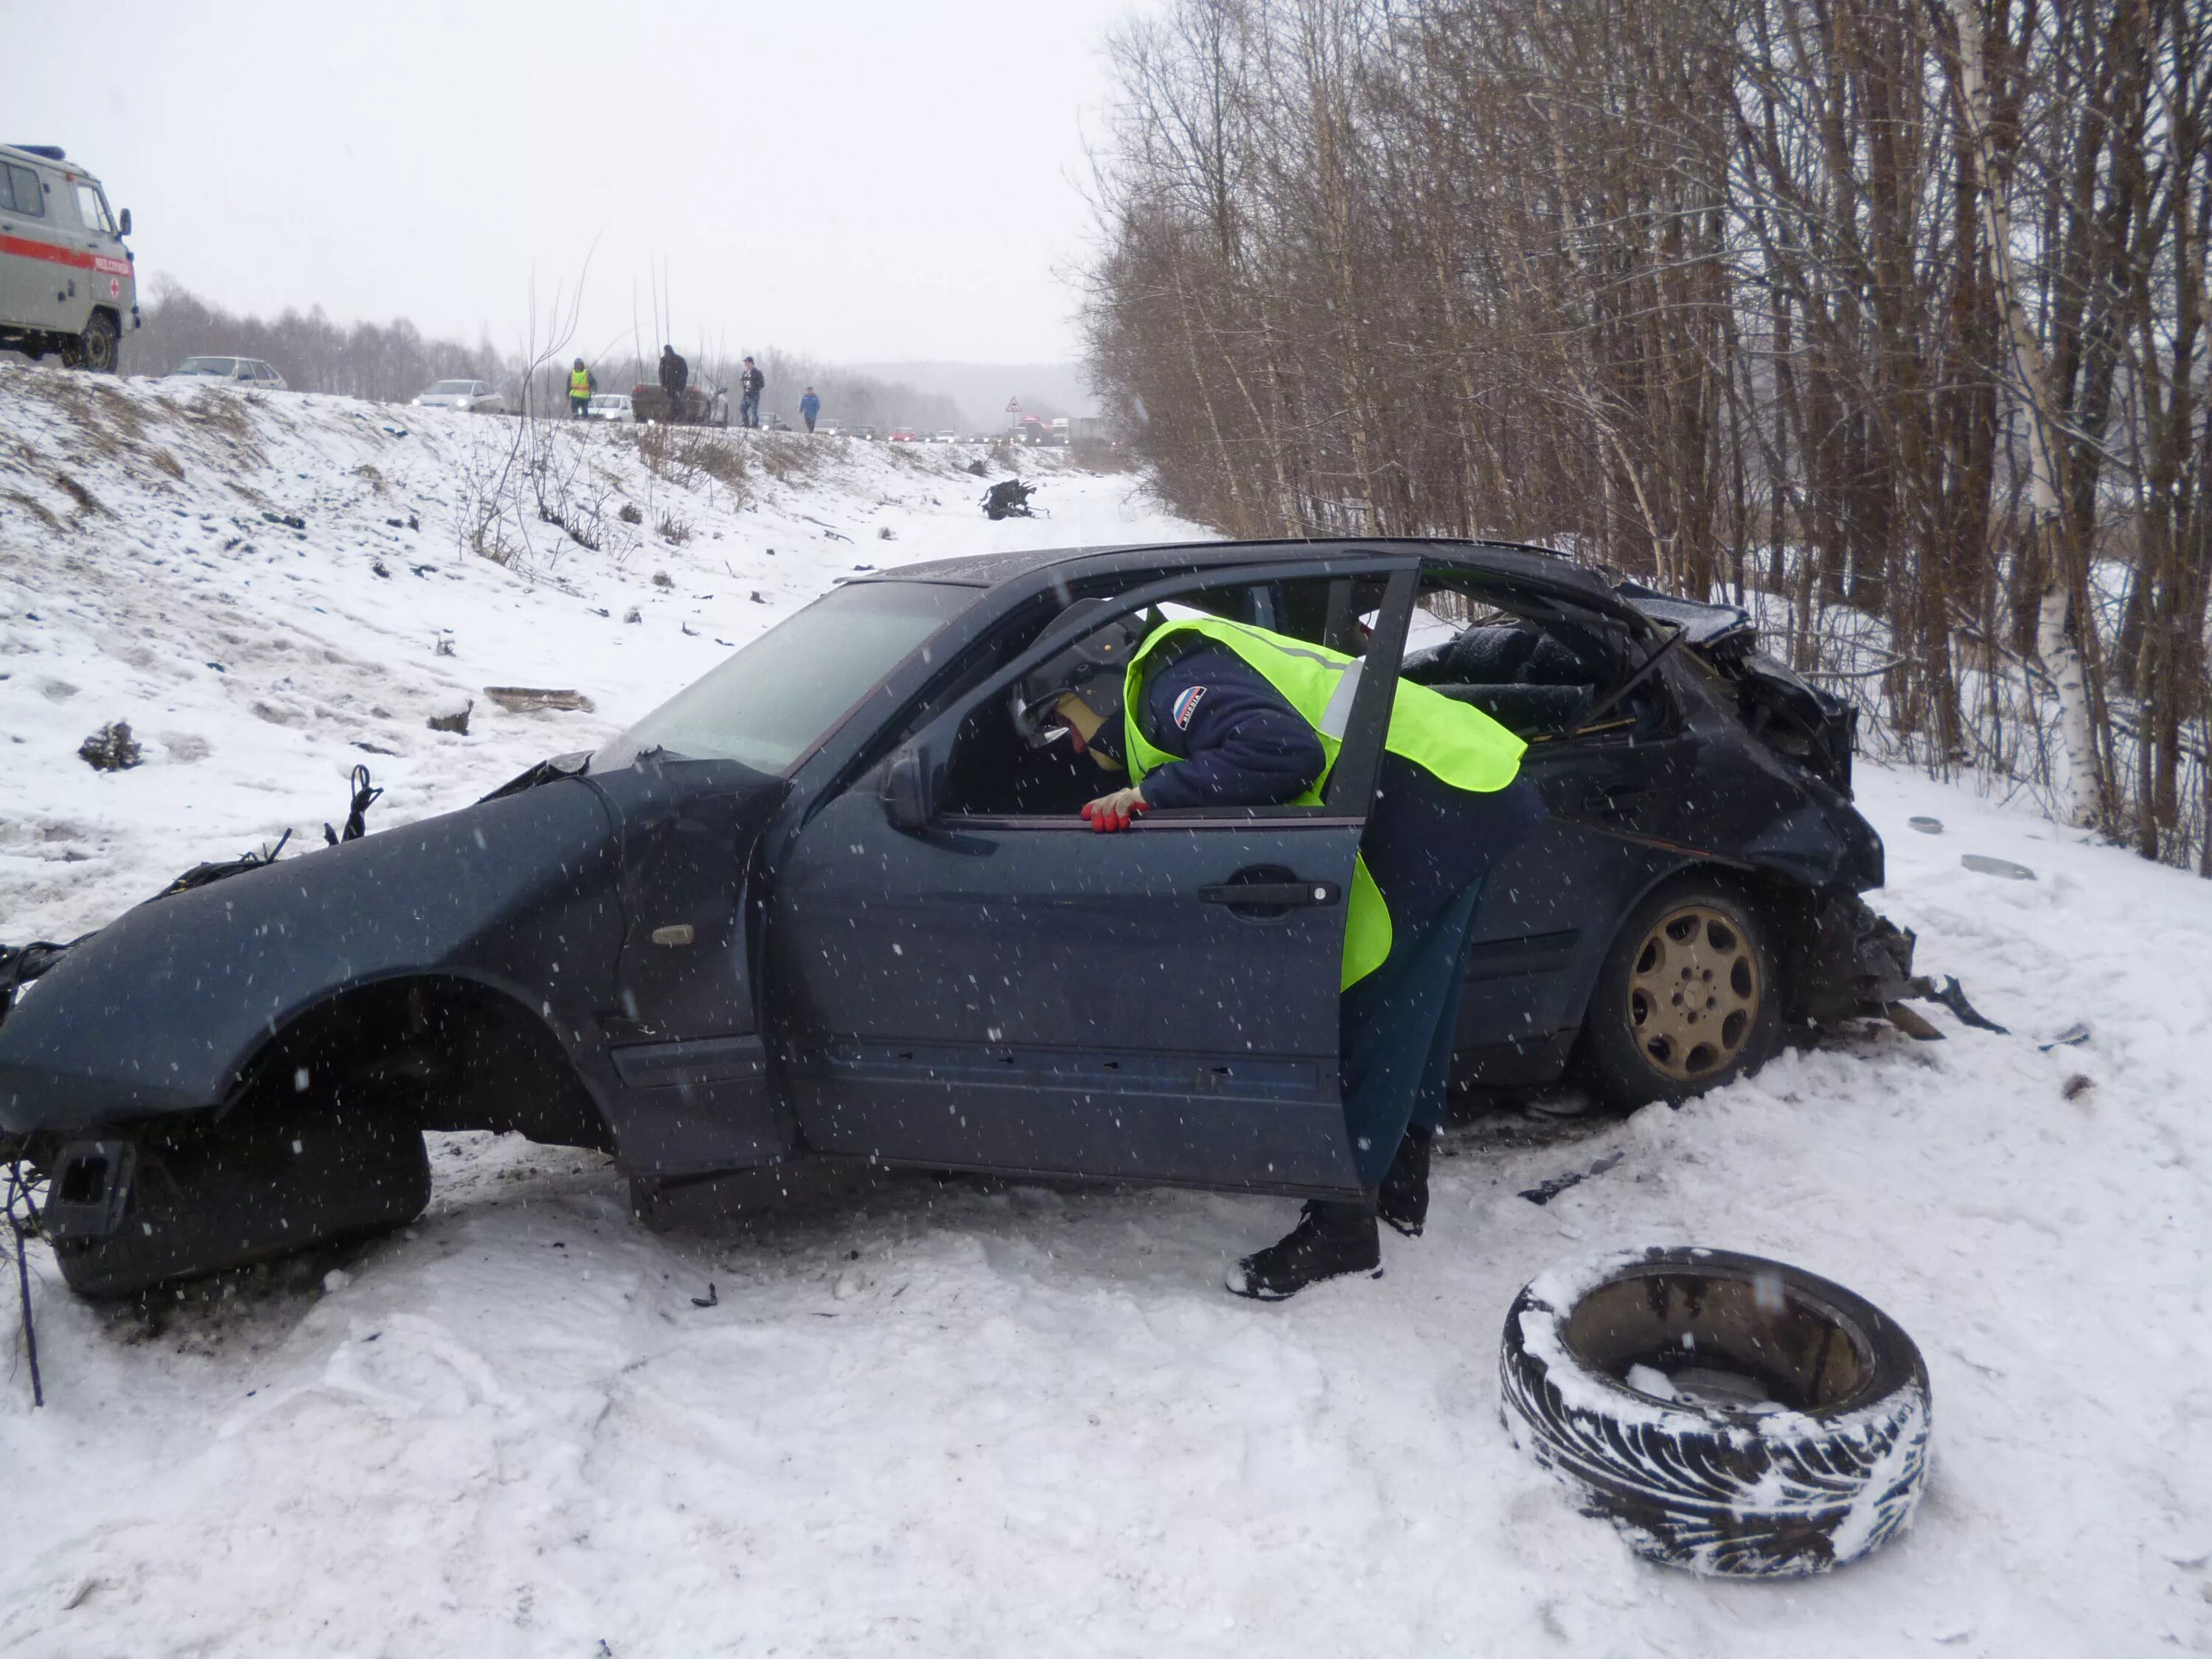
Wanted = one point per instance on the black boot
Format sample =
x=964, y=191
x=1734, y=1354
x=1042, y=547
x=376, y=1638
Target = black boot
x=1329, y=1240
x=1403, y=1199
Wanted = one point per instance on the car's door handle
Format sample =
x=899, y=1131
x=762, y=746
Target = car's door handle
x=1284, y=894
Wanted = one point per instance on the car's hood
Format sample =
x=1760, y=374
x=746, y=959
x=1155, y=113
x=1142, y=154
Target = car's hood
x=161, y=1011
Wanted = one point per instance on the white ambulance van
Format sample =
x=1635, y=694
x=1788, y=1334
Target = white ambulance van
x=66, y=283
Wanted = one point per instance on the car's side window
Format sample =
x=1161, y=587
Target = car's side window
x=26, y=197
x=992, y=771
x=92, y=210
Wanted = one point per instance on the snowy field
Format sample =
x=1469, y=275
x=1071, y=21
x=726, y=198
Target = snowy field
x=960, y=1417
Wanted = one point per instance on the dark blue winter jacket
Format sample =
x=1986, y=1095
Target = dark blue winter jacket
x=1240, y=744
x=810, y=405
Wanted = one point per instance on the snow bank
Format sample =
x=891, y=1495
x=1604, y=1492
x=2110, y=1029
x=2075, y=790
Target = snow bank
x=950, y=1416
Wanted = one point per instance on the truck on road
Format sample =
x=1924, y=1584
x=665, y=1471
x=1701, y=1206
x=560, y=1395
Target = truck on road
x=67, y=283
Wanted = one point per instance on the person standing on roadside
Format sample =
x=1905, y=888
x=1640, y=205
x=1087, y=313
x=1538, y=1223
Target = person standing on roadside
x=809, y=407
x=581, y=388
x=675, y=375
x=750, y=383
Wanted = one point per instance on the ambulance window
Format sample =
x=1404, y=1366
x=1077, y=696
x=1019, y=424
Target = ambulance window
x=29, y=199
x=91, y=208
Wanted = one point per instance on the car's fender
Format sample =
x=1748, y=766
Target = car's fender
x=164, y=1010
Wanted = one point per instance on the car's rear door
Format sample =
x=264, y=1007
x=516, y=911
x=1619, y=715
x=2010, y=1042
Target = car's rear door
x=1016, y=992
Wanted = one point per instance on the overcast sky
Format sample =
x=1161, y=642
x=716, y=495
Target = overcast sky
x=861, y=179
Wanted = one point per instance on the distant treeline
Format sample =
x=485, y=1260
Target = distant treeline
x=391, y=362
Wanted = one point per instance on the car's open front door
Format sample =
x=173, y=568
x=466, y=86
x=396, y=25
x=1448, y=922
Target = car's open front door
x=1017, y=992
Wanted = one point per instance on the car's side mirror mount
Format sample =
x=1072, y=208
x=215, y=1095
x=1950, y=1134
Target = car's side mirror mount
x=905, y=790
x=126, y=222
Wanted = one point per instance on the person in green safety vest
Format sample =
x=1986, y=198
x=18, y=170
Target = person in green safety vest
x=581, y=388
x=1209, y=712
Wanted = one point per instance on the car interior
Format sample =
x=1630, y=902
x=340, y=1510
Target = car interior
x=1535, y=669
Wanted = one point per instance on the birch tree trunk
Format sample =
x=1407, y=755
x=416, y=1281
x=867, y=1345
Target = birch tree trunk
x=2081, y=792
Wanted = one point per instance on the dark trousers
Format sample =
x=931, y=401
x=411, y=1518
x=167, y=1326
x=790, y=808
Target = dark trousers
x=577, y=406
x=749, y=410
x=809, y=424
x=1396, y=1028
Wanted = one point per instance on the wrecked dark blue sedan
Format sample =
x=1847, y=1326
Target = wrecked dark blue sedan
x=827, y=903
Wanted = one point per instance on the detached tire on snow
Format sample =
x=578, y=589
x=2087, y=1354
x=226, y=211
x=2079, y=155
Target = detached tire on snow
x=1729, y=1414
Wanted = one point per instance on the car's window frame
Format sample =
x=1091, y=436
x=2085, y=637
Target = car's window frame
x=103, y=223
x=1642, y=639
x=941, y=728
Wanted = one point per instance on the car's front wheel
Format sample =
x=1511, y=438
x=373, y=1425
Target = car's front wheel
x=98, y=347
x=1688, y=998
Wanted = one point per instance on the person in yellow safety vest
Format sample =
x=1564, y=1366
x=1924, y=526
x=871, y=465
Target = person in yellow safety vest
x=581, y=388
x=1209, y=712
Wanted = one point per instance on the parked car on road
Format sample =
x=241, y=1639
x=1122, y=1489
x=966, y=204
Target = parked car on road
x=248, y=371
x=946, y=438
x=829, y=902
x=475, y=396
x=904, y=435
x=611, y=406
x=702, y=405
x=67, y=283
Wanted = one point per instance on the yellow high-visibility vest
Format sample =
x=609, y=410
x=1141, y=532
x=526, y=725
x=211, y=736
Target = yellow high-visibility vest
x=1459, y=745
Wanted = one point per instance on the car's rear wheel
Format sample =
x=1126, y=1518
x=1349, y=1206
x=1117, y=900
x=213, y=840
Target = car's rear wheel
x=1689, y=997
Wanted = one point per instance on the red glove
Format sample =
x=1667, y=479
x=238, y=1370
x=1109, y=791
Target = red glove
x=1115, y=812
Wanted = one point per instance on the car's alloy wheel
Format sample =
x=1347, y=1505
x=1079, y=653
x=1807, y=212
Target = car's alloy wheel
x=1687, y=998
x=1729, y=1414
x=1693, y=993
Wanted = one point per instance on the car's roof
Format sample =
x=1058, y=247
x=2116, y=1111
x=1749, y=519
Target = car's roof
x=1500, y=558
x=51, y=156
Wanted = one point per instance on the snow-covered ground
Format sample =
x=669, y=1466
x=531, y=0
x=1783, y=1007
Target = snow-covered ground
x=961, y=1417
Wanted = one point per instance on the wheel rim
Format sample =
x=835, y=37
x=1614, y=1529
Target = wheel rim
x=1693, y=993
x=99, y=350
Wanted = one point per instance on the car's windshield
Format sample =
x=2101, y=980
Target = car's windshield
x=611, y=400
x=223, y=366
x=777, y=697
x=445, y=387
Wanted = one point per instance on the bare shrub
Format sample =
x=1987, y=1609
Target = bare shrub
x=87, y=503
x=785, y=456
x=683, y=456
x=36, y=508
